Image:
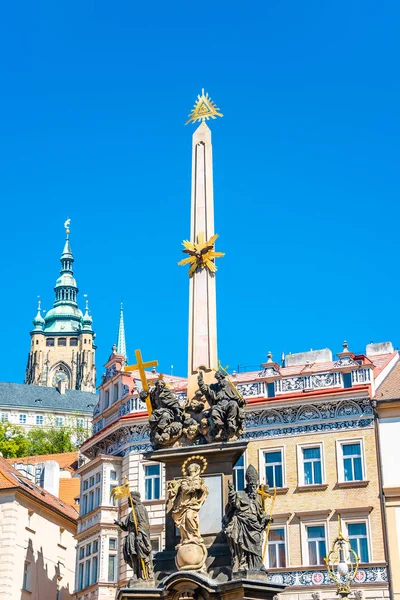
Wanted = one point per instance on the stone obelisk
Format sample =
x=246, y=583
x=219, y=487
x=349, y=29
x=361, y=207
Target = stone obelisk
x=202, y=350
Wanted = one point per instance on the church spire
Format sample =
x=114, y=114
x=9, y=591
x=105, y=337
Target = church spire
x=121, y=344
x=66, y=288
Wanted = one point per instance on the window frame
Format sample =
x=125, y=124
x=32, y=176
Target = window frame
x=262, y=465
x=152, y=477
x=236, y=469
x=323, y=524
x=349, y=520
x=26, y=576
x=285, y=529
x=300, y=464
x=23, y=422
x=340, y=459
x=37, y=420
x=312, y=521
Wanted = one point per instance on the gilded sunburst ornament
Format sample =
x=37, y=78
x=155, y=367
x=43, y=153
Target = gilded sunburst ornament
x=201, y=254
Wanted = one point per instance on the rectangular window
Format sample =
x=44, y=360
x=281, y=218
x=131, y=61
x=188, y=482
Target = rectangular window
x=25, y=583
x=112, y=559
x=312, y=465
x=91, y=481
x=94, y=569
x=106, y=398
x=22, y=419
x=50, y=342
x=80, y=577
x=87, y=573
x=85, y=484
x=73, y=342
x=112, y=544
x=91, y=501
x=238, y=474
x=88, y=549
x=80, y=423
x=113, y=501
x=152, y=482
x=59, y=421
x=316, y=543
x=155, y=545
x=98, y=497
x=352, y=463
x=95, y=545
x=274, y=468
x=276, y=548
x=98, y=477
x=84, y=505
x=358, y=538
x=62, y=341
x=39, y=419
x=4, y=417
x=81, y=552
x=113, y=475
x=115, y=392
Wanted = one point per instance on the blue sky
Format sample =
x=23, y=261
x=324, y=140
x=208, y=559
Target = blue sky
x=94, y=97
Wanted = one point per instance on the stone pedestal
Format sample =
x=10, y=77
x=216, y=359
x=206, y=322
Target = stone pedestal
x=187, y=585
x=221, y=458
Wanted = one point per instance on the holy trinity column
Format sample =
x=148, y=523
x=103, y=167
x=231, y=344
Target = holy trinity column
x=202, y=338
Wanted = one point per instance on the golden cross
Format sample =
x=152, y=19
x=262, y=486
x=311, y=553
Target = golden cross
x=264, y=495
x=141, y=366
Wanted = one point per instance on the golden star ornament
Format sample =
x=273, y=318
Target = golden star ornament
x=202, y=254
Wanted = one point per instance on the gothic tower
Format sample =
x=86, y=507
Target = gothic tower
x=62, y=342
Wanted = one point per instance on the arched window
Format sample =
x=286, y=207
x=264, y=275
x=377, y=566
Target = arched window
x=62, y=341
x=50, y=342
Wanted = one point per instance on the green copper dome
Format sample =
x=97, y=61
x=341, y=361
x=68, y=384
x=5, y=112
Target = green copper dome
x=38, y=321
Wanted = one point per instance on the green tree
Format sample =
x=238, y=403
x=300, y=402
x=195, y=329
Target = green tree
x=52, y=440
x=13, y=441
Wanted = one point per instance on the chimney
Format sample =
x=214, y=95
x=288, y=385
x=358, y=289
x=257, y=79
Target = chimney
x=51, y=477
x=62, y=386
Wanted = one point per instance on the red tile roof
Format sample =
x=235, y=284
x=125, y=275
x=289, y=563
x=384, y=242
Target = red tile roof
x=390, y=386
x=11, y=478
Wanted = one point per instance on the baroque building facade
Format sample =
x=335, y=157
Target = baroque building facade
x=62, y=342
x=310, y=428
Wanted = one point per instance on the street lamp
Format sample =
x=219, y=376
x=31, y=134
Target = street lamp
x=342, y=563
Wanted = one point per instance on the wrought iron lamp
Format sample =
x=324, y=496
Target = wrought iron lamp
x=342, y=563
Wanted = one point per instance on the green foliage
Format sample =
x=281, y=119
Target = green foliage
x=13, y=441
x=52, y=440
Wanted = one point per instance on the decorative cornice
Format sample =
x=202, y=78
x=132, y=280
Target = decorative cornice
x=317, y=577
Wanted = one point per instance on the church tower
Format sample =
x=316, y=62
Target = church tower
x=62, y=342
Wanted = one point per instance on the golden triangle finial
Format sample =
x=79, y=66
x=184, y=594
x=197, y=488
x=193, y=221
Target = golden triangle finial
x=204, y=109
x=66, y=225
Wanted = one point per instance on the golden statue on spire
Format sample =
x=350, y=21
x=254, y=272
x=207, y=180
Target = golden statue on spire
x=204, y=109
x=66, y=225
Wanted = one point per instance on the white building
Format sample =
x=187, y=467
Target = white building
x=37, y=540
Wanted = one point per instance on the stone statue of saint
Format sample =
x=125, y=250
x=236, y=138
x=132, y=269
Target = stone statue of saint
x=244, y=523
x=137, y=544
x=166, y=419
x=227, y=415
x=187, y=496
